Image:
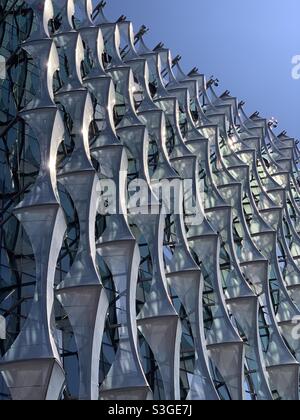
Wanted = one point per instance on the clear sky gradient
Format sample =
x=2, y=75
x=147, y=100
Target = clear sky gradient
x=247, y=44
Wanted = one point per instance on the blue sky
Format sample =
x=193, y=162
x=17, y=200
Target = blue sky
x=247, y=44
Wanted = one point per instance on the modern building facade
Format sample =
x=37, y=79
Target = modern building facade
x=149, y=229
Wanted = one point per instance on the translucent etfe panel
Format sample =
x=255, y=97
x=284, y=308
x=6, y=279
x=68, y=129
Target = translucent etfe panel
x=149, y=229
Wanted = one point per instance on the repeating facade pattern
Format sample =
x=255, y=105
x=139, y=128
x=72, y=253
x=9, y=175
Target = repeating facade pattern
x=138, y=303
